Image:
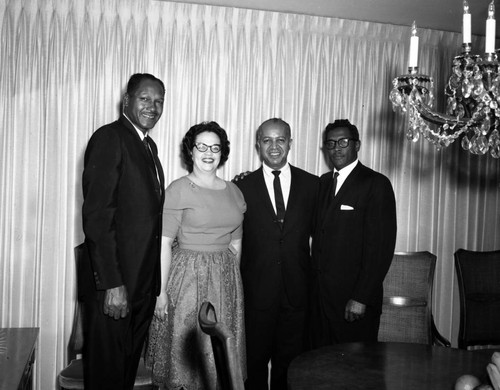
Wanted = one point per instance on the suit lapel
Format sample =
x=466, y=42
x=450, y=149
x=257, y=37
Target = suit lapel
x=292, y=195
x=264, y=193
x=325, y=192
x=161, y=174
x=157, y=175
x=158, y=186
x=293, y=198
x=347, y=187
x=344, y=191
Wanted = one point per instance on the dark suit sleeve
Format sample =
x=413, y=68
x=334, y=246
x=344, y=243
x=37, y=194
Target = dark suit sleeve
x=379, y=239
x=101, y=177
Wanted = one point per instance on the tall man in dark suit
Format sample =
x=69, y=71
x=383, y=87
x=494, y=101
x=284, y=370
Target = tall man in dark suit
x=119, y=278
x=275, y=263
x=353, y=243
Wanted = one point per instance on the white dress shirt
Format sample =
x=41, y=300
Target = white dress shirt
x=142, y=136
x=343, y=173
x=285, y=180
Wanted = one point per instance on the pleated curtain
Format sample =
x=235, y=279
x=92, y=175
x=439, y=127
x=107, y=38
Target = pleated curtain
x=64, y=65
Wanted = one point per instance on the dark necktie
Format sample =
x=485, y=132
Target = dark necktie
x=278, y=198
x=145, y=141
x=334, y=184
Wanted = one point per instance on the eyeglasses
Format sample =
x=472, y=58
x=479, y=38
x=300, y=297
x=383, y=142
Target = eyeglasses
x=343, y=143
x=216, y=148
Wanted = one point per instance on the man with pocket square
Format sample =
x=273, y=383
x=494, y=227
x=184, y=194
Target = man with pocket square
x=353, y=243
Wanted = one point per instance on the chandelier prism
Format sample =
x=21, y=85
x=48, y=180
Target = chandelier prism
x=473, y=96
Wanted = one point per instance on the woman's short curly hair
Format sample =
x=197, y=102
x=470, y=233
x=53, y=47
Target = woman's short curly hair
x=190, y=139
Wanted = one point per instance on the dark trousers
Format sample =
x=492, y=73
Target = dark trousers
x=275, y=334
x=112, y=348
x=322, y=330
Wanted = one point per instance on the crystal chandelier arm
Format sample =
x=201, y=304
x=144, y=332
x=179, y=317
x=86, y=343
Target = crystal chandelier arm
x=473, y=103
x=437, y=118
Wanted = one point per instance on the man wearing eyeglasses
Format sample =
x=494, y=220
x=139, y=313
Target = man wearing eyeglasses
x=353, y=243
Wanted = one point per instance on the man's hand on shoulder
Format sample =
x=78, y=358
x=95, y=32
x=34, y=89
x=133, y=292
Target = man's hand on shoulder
x=116, y=302
x=241, y=176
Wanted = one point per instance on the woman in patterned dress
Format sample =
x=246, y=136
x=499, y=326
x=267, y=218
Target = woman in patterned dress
x=204, y=214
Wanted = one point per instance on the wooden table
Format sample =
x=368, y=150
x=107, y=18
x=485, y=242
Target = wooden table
x=17, y=354
x=389, y=366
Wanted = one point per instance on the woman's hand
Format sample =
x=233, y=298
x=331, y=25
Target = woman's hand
x=166, y=257
x=161, y=306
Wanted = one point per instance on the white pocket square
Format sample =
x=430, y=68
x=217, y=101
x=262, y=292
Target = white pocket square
x=346, y=207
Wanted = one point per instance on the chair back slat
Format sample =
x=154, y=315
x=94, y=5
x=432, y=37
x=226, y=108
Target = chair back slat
x=478, y=275
x=406, y=310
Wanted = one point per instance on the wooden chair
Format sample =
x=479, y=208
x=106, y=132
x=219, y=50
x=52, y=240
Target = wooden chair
x=478, y=275
x=407, y=306
x=226, y=357
x=71, y=377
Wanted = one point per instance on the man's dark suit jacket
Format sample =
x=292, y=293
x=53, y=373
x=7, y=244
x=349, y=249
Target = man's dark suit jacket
x=269, y=254
x=121, y=213
x=353, y=249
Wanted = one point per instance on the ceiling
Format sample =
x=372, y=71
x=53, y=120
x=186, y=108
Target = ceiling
x=435, y=14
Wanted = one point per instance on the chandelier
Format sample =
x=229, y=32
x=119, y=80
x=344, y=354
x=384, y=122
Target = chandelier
x=473, y=96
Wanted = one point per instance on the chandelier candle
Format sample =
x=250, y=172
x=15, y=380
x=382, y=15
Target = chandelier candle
x=490, y=29
x=413, y=61
x=466, y=25
x=473, y=95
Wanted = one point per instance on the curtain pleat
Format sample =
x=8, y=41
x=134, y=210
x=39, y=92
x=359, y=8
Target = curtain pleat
x=64, y=65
